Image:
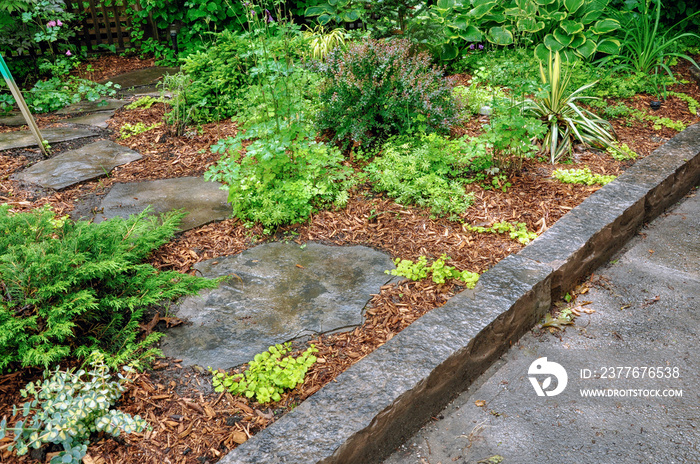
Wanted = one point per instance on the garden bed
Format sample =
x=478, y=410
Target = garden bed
x=193, y=424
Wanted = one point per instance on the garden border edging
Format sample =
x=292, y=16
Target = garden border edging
x=377, y=403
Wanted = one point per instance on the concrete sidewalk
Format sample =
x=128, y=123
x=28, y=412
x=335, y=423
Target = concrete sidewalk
x=647, y=319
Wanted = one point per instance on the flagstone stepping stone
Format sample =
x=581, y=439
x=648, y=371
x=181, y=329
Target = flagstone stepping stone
x=147, y=77
x=105, y=104
x=23, y=139
x=88, y=162
x=277, y=292
x=98, y=119
x=13, y=120
x=204, y=201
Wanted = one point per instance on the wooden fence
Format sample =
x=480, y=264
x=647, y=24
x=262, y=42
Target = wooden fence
x=104, y=28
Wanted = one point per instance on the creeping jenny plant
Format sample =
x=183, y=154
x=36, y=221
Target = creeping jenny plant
x=439, y=271
x=268, y=375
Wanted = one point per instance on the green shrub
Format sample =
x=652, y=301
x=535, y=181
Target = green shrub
x=375, y=89
x=198, y=20
x=71, y=288
x=268, y=375
x=282, y=177
x=509, y=135
x=67, y=409
x=216, y=74
x=429, y=171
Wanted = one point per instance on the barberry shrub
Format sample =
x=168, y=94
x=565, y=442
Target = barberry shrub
x=68, y=289
x=375, y=89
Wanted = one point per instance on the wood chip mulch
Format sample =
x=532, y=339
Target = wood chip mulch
x=193, y=424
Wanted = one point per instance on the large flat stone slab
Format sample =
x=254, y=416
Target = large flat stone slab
x=23, y=139
x=98, y=119
x=105, y=104
x=140, y=78
x=88, y=162
x=204, y=201
x=13, y=120
x=277, y=292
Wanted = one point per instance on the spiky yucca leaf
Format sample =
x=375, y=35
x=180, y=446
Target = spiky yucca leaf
x=565, y=119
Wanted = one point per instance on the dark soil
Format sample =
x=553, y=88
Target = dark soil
x=192, y=424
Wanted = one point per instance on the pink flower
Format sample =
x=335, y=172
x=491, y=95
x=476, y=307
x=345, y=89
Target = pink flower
x=51, y=24
x=68, y=53
x=59, y=23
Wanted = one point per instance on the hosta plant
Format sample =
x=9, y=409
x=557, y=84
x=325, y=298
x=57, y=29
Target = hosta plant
x=557, y=108
x=575, y=28
x=66, y=408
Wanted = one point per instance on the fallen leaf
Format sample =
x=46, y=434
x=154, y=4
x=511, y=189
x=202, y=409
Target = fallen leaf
x=480, y=403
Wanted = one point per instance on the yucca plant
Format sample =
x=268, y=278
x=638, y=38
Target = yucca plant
x=565, y=120
x=322, y=42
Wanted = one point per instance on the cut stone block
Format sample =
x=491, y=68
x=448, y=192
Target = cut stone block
x=24, y=139
x=277, y=292
x=204, y=201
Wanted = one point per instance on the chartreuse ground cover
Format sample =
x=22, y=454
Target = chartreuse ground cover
x=268, y=375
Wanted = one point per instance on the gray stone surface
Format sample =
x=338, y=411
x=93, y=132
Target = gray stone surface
x=105, y=104
x=13, y=120
x=204, y=201
x=587, y=236
x=277, y=292
x=668, y=173
x=98, y=119
x=385, y=396
x=138, y=80
x=646, y=315
x=91, y=161
x=23, y=139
